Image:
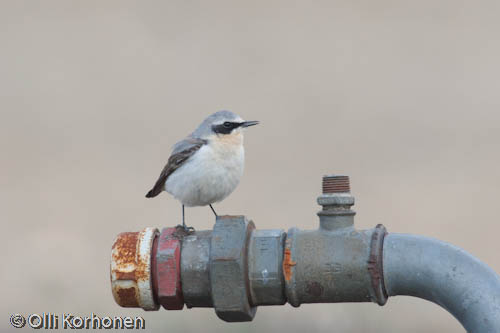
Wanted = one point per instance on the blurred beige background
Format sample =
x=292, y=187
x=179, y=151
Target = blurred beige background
x=402, y=96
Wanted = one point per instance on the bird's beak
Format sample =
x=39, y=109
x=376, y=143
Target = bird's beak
x=249, y=123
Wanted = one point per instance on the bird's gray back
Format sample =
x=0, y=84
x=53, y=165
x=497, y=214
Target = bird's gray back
x=186, y=144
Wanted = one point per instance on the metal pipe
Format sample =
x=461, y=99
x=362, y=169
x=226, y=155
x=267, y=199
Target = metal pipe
x=446, y=275
x=235, y=268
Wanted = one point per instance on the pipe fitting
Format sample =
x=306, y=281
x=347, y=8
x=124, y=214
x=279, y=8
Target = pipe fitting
x=328, y=267
x=166, y=269
x=265, y=267
x=195, y=269
x=336, y=201
x=131, y=281
x=229, y=268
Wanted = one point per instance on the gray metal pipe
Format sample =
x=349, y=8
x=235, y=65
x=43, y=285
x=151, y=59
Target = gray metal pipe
x=446, y=275
x=234, y=268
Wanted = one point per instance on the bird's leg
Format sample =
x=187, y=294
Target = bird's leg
x=186, y=229
x=183, y=219
x=213, y=210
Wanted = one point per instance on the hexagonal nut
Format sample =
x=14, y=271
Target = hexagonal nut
x=265, y=267
x=167, y=269
x=228, y=268
x=131, y=269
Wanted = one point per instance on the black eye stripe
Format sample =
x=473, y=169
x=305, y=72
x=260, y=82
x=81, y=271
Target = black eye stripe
x=226, y=127
x=230, y=124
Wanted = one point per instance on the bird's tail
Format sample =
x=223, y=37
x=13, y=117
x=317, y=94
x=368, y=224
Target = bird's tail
x=154, y=192
x=159, y=185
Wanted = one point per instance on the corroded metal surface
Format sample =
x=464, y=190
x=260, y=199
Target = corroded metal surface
x=288, y=263
x=131, y=269
x=289, y=268
x=335, y=184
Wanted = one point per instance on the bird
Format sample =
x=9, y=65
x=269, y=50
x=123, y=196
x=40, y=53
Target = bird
x=207, y=165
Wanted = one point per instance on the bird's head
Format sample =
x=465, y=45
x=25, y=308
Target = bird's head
x=223, y=125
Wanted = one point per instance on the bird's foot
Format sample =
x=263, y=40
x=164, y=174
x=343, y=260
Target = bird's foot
x=186, y=229
x=189, y=230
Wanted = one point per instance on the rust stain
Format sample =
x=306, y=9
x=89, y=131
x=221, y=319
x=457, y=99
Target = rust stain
x=130, y=267
x=143, y=263
x=124, y=255
x=142, y=271
x=288, y=264
x=127, y=297
x=125, y=275
x=336, y=184
x=125, y=248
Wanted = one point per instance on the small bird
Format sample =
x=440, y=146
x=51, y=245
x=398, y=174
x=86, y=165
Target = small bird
x=207, y=165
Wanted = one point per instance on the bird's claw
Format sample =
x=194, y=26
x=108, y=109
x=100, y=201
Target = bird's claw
x=186, y=229
x=189, y=230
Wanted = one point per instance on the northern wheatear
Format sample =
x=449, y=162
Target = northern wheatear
x=207, y=165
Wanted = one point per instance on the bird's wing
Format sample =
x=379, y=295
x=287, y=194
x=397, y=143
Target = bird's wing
x=183, y=150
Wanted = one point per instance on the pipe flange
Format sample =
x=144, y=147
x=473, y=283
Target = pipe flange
x=289, y=263
x=131, y=269
x=229, y=268
x=375, y=265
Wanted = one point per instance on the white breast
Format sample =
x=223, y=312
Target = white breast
x=209, y=176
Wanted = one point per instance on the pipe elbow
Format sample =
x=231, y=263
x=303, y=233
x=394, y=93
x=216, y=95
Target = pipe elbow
x=446, y=275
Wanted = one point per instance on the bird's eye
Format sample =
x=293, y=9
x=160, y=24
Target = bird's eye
x=227, y=124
